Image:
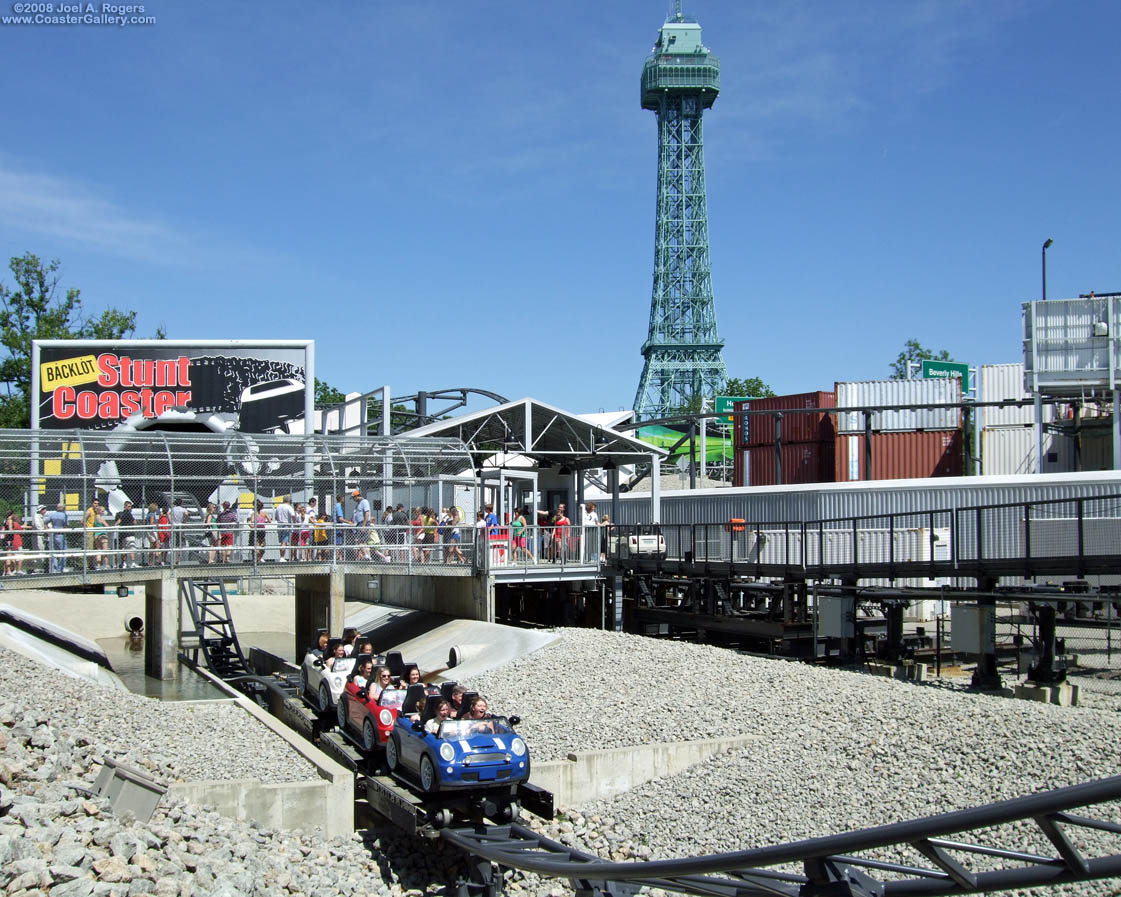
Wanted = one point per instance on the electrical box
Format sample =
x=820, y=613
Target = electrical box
x=972, y=629
x=836, y=617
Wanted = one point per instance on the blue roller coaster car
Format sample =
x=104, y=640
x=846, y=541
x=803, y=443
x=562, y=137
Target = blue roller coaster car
x=462, y=754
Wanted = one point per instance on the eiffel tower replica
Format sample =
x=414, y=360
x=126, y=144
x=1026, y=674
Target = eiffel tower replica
x=683, y=352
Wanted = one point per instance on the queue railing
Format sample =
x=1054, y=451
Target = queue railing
x=541, y=547
x=79, y=550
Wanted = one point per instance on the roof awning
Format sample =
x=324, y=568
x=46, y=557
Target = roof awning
x=542, y=433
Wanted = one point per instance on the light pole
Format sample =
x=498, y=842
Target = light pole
x=1045, y=245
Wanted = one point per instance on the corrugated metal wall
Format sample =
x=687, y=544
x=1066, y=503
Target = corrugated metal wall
x=826, y=501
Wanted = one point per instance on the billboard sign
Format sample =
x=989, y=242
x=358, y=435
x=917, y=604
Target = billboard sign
x=265, y=386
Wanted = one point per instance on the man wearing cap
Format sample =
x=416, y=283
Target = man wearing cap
x=361, y=521
x=58, y=523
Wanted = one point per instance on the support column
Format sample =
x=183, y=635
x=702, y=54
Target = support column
x=985, y=676
x=161, y=626
x=320, y=604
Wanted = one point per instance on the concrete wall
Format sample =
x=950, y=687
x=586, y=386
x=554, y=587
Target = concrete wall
x=326, y=803
x=103, y=616
x=602, y=774
x=466, y=597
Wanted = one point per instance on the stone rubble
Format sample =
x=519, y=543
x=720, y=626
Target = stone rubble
x=840, y=751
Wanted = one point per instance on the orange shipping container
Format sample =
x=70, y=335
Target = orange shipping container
x=900, y=456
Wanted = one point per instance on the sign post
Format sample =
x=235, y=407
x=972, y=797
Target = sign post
x=934, y=369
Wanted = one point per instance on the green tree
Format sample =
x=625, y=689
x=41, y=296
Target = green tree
x=914, y=352
x=326, y=394
x=754, y=387
x=35, y=309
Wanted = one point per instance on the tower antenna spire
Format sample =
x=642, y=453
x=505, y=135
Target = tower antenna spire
x=683, y=353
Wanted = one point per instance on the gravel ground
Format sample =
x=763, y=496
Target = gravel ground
x=55, y=839
x=180, y=741
x=841, y=750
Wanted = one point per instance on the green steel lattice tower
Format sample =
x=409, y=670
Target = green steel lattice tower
x=683, y=351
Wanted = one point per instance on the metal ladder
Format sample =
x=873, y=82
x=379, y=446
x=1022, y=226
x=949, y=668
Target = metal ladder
x=214, y=632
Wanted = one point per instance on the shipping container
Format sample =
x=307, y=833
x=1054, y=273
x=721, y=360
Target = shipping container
x=899, y=456
x=739, y=467
x=1011, y=450
x=1070, y=345
x=797, y=427
x=935, y=391
x=802, y=462
x=1001, y=382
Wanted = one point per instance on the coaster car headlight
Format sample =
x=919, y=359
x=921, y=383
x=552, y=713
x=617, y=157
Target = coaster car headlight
x=447, y=752
x=386, y=717
x=518, y=747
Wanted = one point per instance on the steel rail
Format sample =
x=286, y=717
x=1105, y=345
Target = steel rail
x=830, y=863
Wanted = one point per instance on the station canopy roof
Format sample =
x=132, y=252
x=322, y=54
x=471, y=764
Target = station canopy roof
x=540, y=433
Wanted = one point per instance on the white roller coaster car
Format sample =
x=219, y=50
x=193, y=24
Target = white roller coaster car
x=321, y=687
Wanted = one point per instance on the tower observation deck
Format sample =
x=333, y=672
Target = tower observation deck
x=682, y=354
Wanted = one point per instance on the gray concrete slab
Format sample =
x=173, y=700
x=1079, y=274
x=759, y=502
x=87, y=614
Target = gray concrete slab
x=426, y=639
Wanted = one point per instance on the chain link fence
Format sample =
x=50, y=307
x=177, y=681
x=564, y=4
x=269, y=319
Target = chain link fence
x=81, y=501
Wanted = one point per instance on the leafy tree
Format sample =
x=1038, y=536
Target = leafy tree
x=914, y=352
x=753, y=387
x=326, y=394
x=34, y=309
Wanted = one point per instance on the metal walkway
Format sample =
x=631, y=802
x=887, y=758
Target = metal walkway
x=1074, y=537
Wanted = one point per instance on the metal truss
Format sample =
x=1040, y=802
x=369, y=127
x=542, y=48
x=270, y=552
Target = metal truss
x=683, y=350
x=833, y=866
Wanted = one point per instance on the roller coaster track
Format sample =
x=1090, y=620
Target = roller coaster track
x=851, y=864
x=832, y=866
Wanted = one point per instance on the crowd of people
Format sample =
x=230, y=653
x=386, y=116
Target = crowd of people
x=162, y=533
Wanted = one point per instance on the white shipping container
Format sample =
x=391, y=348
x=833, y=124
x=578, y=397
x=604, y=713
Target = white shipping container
x=1000, y=382
x=1006, y=451
x=935, y=391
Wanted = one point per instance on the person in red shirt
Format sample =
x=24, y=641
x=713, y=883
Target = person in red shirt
x=560, y=531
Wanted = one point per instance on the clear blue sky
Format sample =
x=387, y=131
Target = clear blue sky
x=443, y=193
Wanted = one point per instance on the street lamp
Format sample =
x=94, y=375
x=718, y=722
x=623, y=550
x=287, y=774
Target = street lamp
x=1045, y=245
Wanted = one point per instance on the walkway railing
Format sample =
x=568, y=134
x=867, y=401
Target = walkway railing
x=82, y=550
x=544, y=547
x=434, y=549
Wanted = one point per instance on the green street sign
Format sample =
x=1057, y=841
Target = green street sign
x=947, y=369
x=724, y=405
